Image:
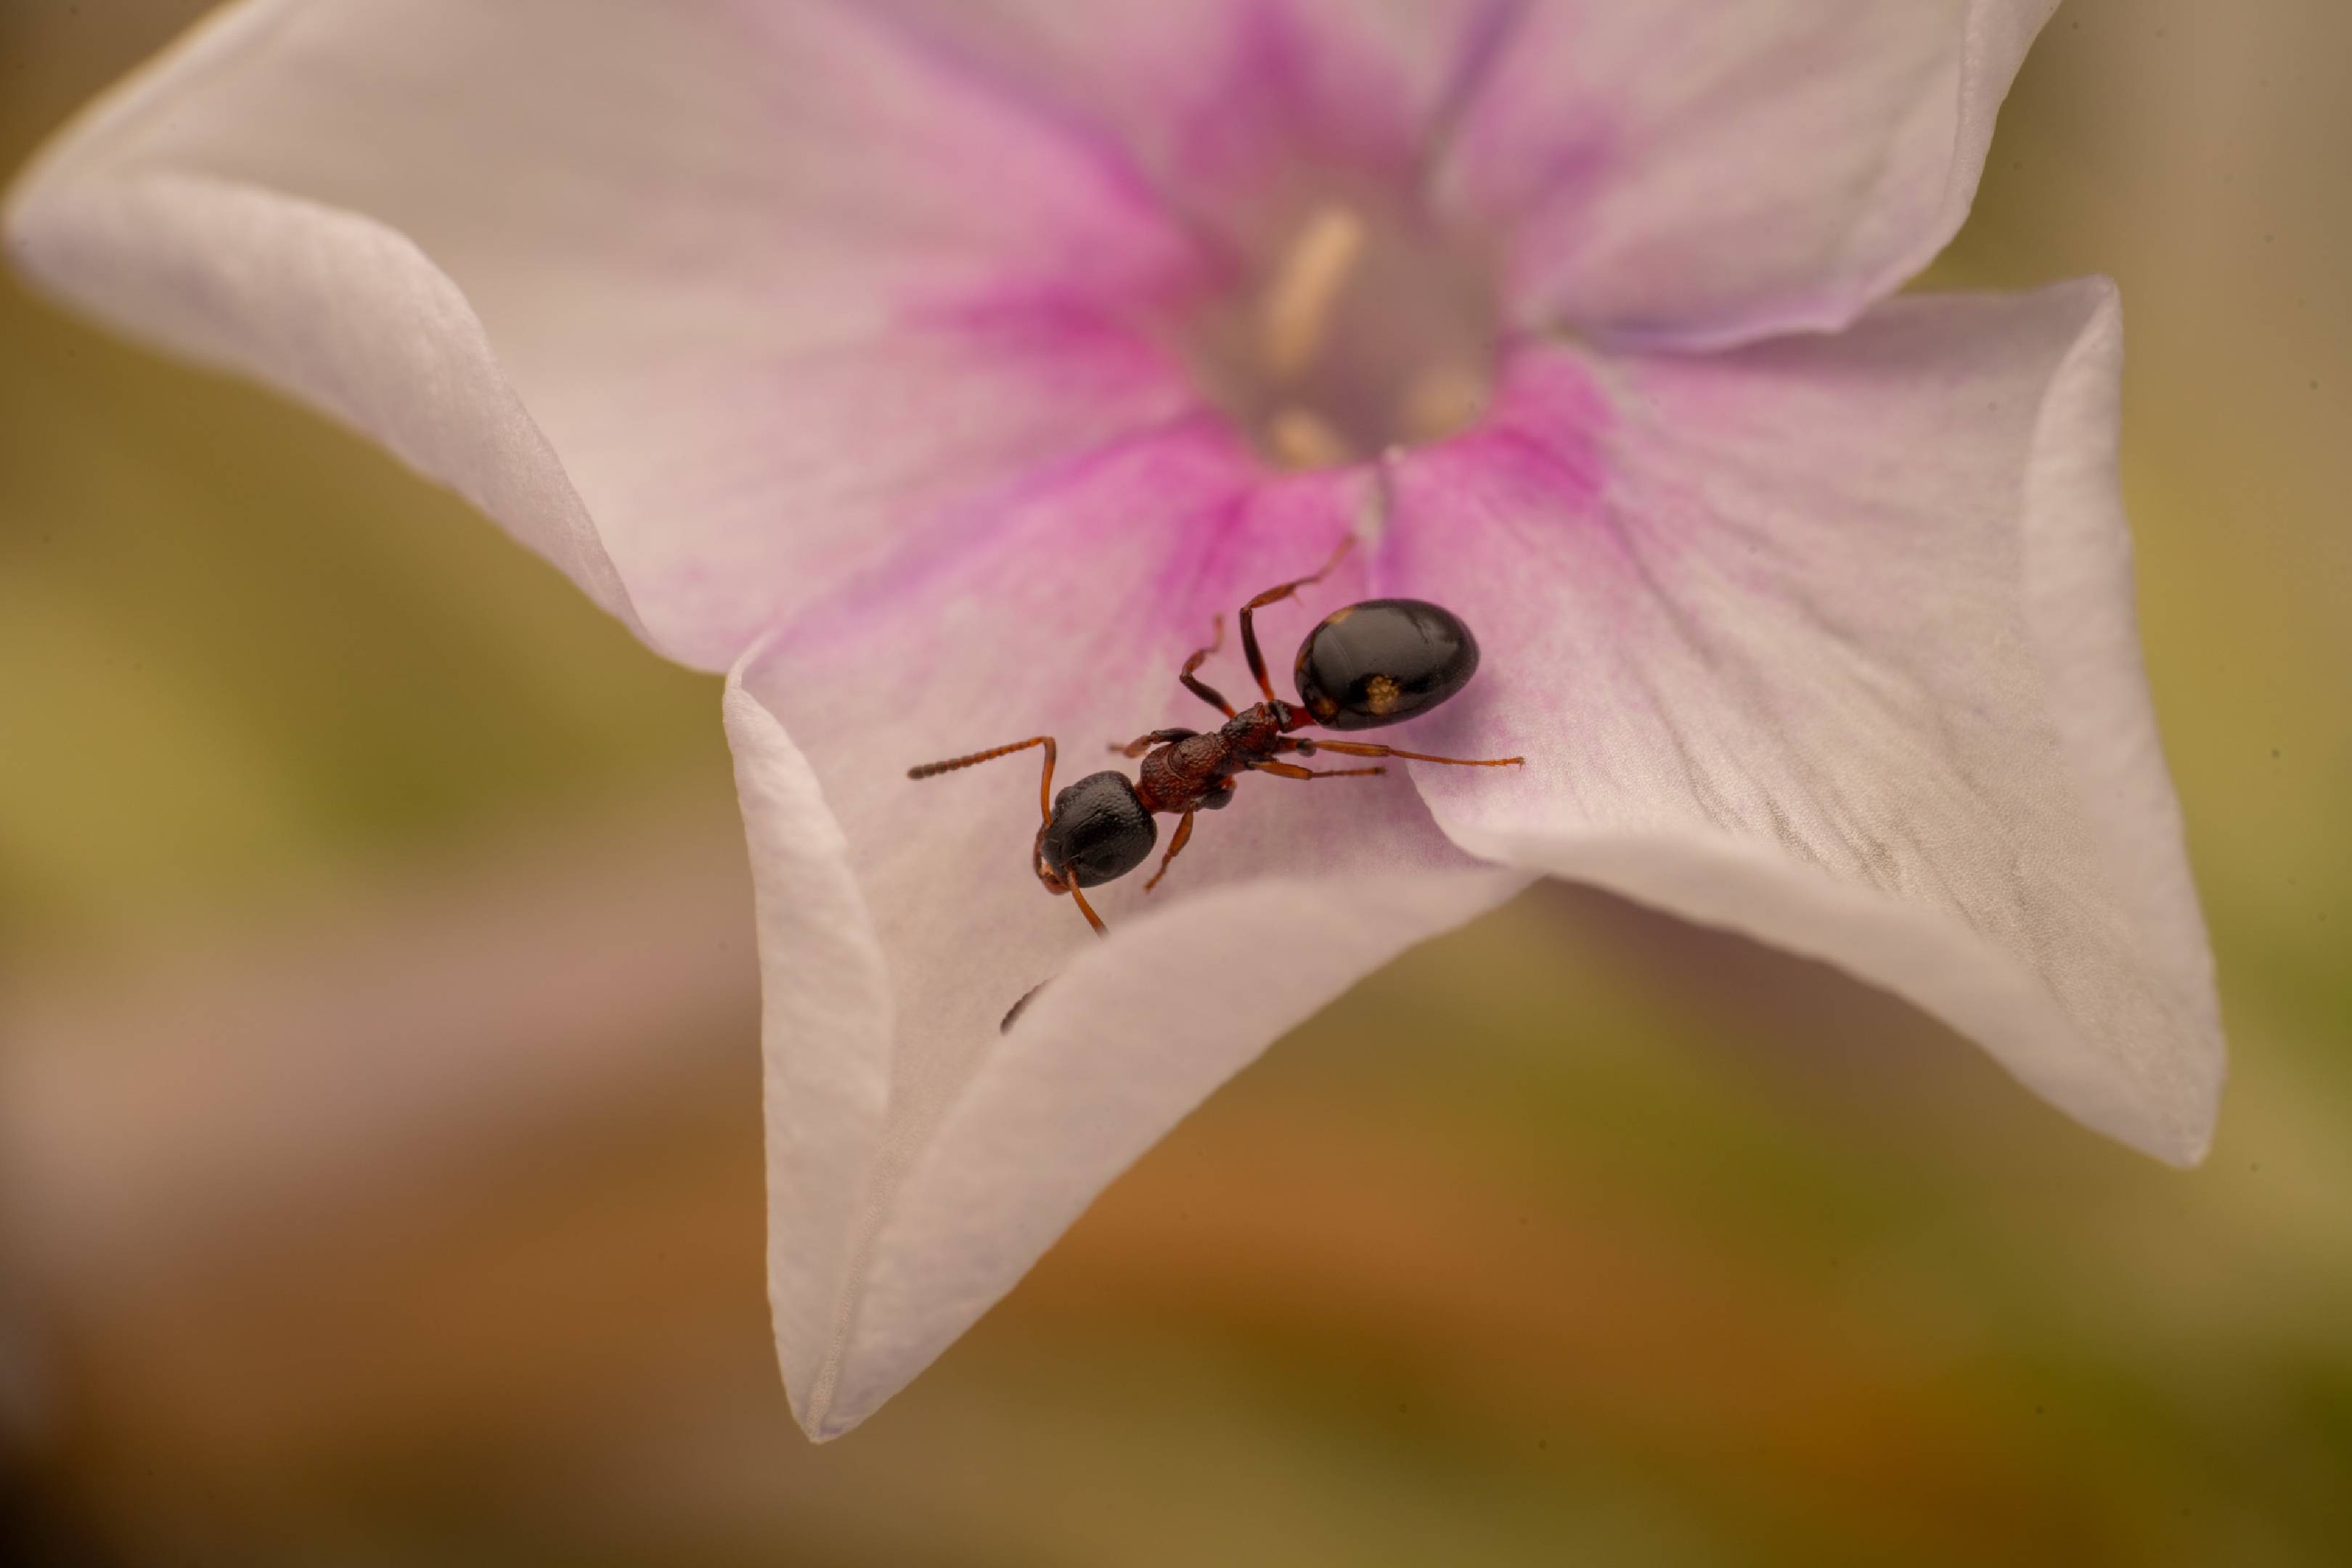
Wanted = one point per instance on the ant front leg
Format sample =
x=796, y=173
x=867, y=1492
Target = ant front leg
x=1273, y=595
x=1061, y=879
x=1366, y=749
x=1175, y=846
x=1143, y=744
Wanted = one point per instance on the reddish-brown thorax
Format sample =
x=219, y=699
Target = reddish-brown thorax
x=1184, y=775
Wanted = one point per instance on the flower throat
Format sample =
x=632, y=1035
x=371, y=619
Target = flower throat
x=1361, y=334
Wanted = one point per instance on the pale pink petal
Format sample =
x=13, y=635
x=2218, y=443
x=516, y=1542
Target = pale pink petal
x=1696, y=174
x=919, y=1160
x=1234, y=107
x=774, y=281
x=332, y=306
x=1831, y=641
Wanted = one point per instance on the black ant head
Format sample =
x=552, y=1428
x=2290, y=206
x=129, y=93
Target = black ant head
x=1099, y=831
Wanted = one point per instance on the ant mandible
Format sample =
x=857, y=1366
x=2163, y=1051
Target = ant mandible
x=1365, y=665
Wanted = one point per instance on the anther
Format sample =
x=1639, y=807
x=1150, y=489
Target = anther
x=1441, y=401
x=1298, y=438
x=1294, y=312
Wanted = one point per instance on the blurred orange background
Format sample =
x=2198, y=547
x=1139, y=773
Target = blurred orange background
x=380, y=1169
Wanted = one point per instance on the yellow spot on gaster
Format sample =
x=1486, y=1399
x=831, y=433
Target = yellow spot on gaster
x=1381, y=694
x=1295, y=311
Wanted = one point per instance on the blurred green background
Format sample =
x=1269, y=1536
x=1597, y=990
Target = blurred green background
x=380, y=1178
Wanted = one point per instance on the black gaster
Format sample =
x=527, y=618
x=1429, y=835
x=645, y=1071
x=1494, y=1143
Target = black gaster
x=1099, y=830
x=1383, y=661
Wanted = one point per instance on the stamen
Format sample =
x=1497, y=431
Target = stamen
x=1441, y=401
x=1363, y=328
x=1299, y=438
x=1295, y=313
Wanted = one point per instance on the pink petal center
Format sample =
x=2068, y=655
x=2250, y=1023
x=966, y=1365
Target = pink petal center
x=1360, y=327
x=1292, y=263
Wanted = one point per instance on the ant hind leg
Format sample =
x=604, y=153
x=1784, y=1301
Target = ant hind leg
x=1366, y=749
x=1273, y=595
x=1293, y=771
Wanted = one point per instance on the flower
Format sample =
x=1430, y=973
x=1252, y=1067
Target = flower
x=942, y=368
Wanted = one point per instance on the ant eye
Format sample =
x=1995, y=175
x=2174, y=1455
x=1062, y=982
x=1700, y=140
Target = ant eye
x=1099, y=831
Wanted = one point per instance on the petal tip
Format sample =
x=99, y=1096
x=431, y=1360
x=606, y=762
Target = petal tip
x=824, y=1424
x=23, y=204
x=2186, y=1139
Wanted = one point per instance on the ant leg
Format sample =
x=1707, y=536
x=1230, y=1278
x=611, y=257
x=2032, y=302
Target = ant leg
x=1201, y=688
x=1045, y=784
x=1143, y=744
x=1063, y=879
x=1293, y=771
x=1364, y=749
x=1183, y=837
x=1249, y=632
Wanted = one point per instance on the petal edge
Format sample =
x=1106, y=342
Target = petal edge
x=1834, y=645
x=253, y=282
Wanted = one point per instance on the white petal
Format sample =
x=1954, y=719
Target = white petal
x=1227, y=103
x=332, y=306
x=776, y=283
x=1689, y=172
x=1831, y=641
x=772, y=281
x=920, y=1158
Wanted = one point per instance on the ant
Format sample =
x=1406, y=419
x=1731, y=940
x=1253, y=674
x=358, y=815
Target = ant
x=1367, y=664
